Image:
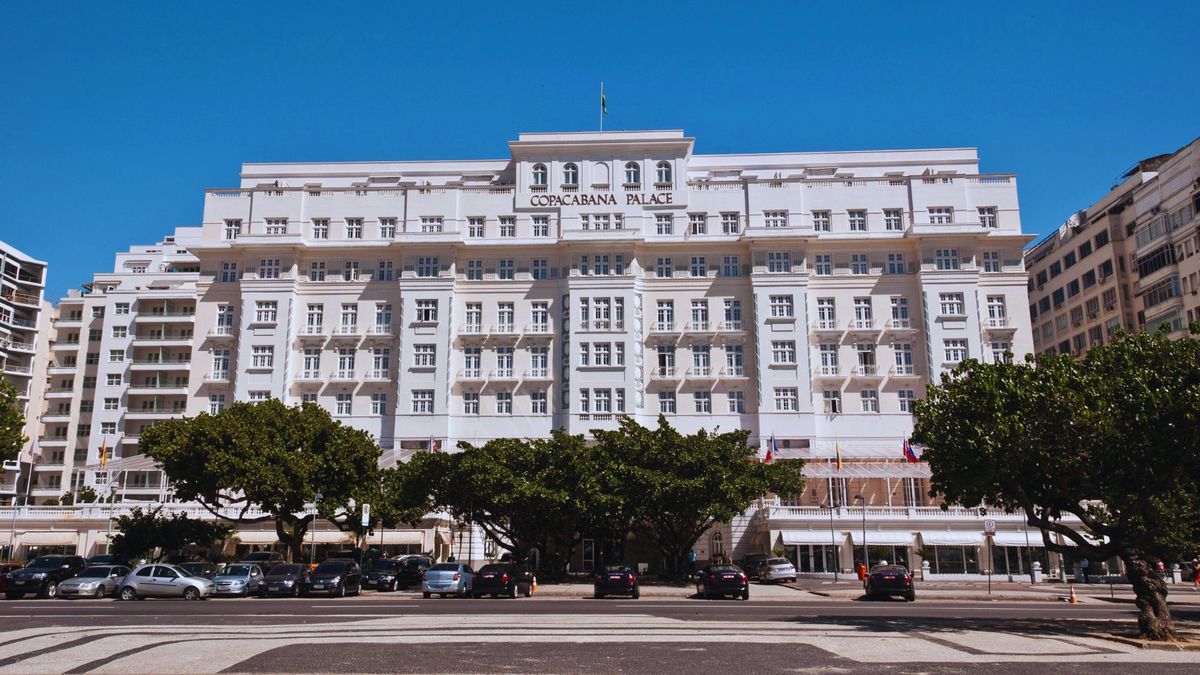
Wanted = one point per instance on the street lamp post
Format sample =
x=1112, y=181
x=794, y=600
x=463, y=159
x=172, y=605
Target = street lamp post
x=113, y=486
x=866, y=562
x=312, y=555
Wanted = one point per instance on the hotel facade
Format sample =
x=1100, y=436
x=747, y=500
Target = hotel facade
x=805, y=297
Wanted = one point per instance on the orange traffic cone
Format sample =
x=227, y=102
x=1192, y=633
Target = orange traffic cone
x=1074, y=600
x=534, y=585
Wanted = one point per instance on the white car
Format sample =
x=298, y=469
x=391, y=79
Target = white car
x=776, y=569
x=164, y=581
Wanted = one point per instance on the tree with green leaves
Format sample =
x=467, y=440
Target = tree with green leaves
x=271, y=458
x=12, y=422
x=1110, y=439
x=678, y=486
x=142, y=532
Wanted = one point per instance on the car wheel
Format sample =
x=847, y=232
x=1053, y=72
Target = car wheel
x=99, y=593
x=427, y=595
x=191, y=593
x=128, y=593
x=392, y=587
x=911, y=597
x=50, y=590
x=513, y=593
x=295, y=591
x=339, y=591
x=746, y=594
x=636, y=594
x=529, y=591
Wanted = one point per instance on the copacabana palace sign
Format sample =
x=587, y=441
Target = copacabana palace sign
x=600, y=199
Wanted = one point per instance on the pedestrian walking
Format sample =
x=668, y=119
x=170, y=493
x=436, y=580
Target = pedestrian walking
x=1196, y=573
x=1161, y=568
x=1083, y=566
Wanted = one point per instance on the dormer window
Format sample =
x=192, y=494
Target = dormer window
x=633, y=175
x=663, y=174
x=570, y=174
x=540, y=176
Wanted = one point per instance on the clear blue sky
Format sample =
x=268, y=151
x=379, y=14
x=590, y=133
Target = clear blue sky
x=115, y=116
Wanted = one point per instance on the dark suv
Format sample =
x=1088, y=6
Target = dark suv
x=42, y=576
x=412, y=570
x=502, y=579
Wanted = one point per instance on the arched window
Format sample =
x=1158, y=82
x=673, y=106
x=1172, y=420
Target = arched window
x=570, y=174
x=718, y=545
x=664, y=172
x=633, y=175
x=600, y=173
x=539, y=174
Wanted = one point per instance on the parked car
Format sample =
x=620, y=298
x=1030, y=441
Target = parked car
x=239, y=580
x=502, y=579
x=43, y=575
x=383, y=574
x=335, y=577
x=776, y=569
x=108, y=559
x=412, y=570
x=164, y=581
x=448, y=579
x=264, y=559
x=5, y=569
x=95, y=581
x=751, y=564
x=285, y=579
x=716, y=581
x=617, y=580
x=205, y=570
x=889, y=580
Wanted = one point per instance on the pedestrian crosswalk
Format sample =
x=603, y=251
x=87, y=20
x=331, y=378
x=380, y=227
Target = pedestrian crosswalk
x=214, y=648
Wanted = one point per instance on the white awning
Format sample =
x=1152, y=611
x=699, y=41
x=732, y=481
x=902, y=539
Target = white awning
x=959, y=538
x=397, y=537
x=329, y=537
x=50, y=538
x=1017, y=539
x=257, y=537
x=867, y=470
x=882, y=538
x=790, y=537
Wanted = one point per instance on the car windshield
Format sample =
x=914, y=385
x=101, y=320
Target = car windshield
x=285, y=570
x=725, y=568
x=43, y=563
x=236, y=571
x=258, y=556
x=386, y=565
x=779, y=561
x=444, y=567
x=331, y=567
x=890, y=569
x=95, y=572
x=616, y=568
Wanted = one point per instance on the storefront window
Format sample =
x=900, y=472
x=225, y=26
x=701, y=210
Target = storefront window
x=955, y=560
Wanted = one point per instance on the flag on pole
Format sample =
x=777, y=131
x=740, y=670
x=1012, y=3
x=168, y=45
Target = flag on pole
x=837, y=451
x=909, y=454
x=103, y=452
x=603, y=102
x=772, y=449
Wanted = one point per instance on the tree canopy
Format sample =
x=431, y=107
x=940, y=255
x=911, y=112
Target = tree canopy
x=141, y=532
x=1110, y=439
x=272, y=457
x=12, y=422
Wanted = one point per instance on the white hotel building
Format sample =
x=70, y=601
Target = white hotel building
x=805, y=296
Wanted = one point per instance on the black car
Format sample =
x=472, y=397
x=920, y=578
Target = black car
x=264, y=559
x=336, y=577
x=204, y=570
x=384, y=574
x=752, y=562
x=716, y=581
x=502, y=579
x=617, y=580
x=42, y=576
x=412, y=570
x=285, y=579
x=889, y=580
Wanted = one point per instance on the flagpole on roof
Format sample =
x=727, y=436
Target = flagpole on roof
x=602, y=106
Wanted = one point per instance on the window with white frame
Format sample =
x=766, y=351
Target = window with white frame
x=506, y=270
x=863, y=316
x=378, y=403
x=633, y=174
x=733, y=314
x=907, y=397
x=698, y=223
x=666, y=402
x=427, y=266
x=541, y=226
x=471, y=403
x=311, y=365
x=432, y=224
x=120, y=331
x=781, y=306
x=663, y=174
x=220, y=363
x=316, y=271
x=233, y=227
x=381, y=361
x=946, y=258
x=508, y=227
x=113, y=379
x=700, y=314
x=474, y=270
x=541, y=177
x=699, y=266
x=265, y=311
x=262, y=356
x=427, y=311
x=899, y=312
x=955, y=350
x=665, y=315
x=987, y=216
x=823, y=265
x=822, y=220
x=730, y=222
x=662, y=268
x=474, y=314
x=904, y=358
x=350, y=270
x=504, y=403
x=354, y=228
x=585, y=400
x=991, y=261
x=787, y=399
x=997, y=311
x=216, y=403
x=829, y=358
x=505, y=316
x=832, y=399
x=424, y=356
x=893, y=220
x=308, y=397
x=783, y=352
x=734, y=360
x=116, y=355
x=775, y=218
x=268, y=268
x=123, y=307
x=1002, y=352
x=422, y=401
x=343, y=405
x=857, y=219
x=570, y=174
x=869, y=399
x=602, y=266
x=664, y=224
x=277, y=225
x=387, y=228
x=730, y=266
x=386, y=271
x=540, y=269
x=703, y=402
x=320, y=228
x=941, y=215
x=475, y=227
x=229, y=272
x=537, y=403
x=345, y=363
x=585, y=354
x=736, y=402
x=895, y=263
x=779, y=261
x=951, y=304
x=859, y=264
x=603, y=353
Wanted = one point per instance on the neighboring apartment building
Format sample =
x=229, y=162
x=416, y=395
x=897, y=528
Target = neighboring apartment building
x=23, y=321
x=1128, y=262
x=120, y=361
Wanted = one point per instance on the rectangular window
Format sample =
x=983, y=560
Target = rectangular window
x=703, y=402
x=946, y=258
x=821, y=220
x=987, y=216
x=424, y=356
x=781, y=306
x=951, y=304
x=422, y=401
x=664, y=224
x=537, y=403
x=354, y=228
x=475, y=227
x=386, y=271
x=507, y=270
x=955, y=350
x=277, y=225
x=823, y=265
x=350, y=270
x=859, y=264
x=120, y=331
x=427, y=267
x=733, y=315
x=870, y=400
x=260, y=396
x=779, y=261
x=216, y=403
x=737, y=402
x=316, y=270
x=505, y=316
x=666, y=402
x=941, y=215
x=698, y=223
x=907, y=396
x=904, y=358
x=775, y=218
x=991, y=261
x=786, y=399
x=893, y=220
x=730, y=223
x=387, y=228
x=320, y=228
x=378, y=404
x=263, y=356
x=343, y=406
x=857, y=219
x=504, y=403
x=832, y=400
x=431, y=224
x=229, y=272
x=730, y=266
x=427, y=311
x=268, y=268
x=233, y=227
x=895, y=263
x=699, y=267
x=265, y=311
x=540, y=269
x=662, y=268
x=474, y=270
x=541, y=226
x=508, y=227
x=783, y=352
x=471, y=403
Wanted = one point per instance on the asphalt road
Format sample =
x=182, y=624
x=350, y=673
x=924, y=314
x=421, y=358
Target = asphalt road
x=405, y=633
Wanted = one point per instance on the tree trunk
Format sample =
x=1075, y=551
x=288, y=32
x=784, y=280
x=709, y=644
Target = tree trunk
x=1154, y=618
x=293, y=536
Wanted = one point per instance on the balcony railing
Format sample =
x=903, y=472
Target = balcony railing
x=701, y=326
x=377, y=374
x=537, y=374
x=312, y=329
x=538, y=329
x=999, y=322
x=309, y=376
x=665, y=373
x=825, y=324
x=731, y=325
x=700, y=372
x=381, y=329
x=862, y=324
x=471, y=329
x=733, y=371
x=899, y=324
x=502, y=374
x=866, y=370
x=504, y=329
x=217, y=376
x=220, y=331
x=664, y=327
x=903, y=371
x=470, y=374
x=346, y=329
x=829, y=371
x=343, y=375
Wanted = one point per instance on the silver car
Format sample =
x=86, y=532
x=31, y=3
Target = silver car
x=164, y=581
x=776, y=569
x=240, y=579
x=448, y=579
x=97, y=581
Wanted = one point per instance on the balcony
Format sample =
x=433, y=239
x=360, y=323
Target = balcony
x=537, y=374
x=861, y=326
x=904, y=371
x=165, y=317
x=15, y=369
x=601, y=325
x=665, y=373
x=733, y=373
x=155, y=413
x=218, y=376
x=158, y=389
x=53, y=441
x=382, y=330
x=538, y=329
x=163, y=340
x=1000, y=325
x=378, y=375
x=826, y=326
x=470, y=329
x=19, y=298
x=160, y=364
x=342, y=376
x=470, y=375
x=346, y=330
x=828, y=372
x=696, y=327
x=701, y=373
x=732, y=327
x=503, y=375
x=15, y=346
x=220, y=332
x=62, y=344
x=665, y=328
x=867, y=371
x=899, y=326
x=504, y=329
x=309, y=376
